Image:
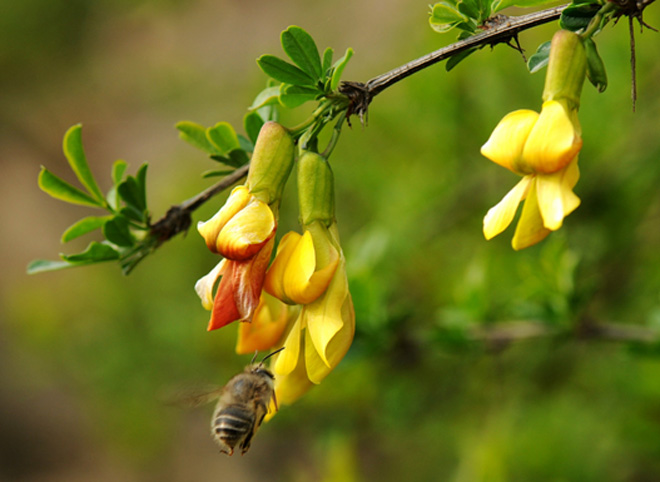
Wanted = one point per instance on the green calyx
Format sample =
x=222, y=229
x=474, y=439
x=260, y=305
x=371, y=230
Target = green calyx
x=271, y=162
x=316, y=194
x=567, y=68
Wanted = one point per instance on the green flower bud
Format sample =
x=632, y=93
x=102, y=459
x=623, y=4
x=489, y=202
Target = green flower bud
x=271, y=163
x=316, y=194
x=566, y=68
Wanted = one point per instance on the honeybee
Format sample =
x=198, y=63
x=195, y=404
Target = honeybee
x=242, y=405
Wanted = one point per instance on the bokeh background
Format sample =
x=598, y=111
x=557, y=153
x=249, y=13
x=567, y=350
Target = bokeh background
x=86, y=354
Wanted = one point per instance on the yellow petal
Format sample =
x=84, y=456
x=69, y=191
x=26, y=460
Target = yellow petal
x=268, y=323
x=317, y=367
x=325, y=316
x=290, y=387
x=556, y=199
x=204, y=286
x=247, y=231
x=306, y=278
x=274, y=283
x=286, y=361
x=530, y=229
x=500, y=216
x=210, y=229
x=505, y=145
x=554, y=141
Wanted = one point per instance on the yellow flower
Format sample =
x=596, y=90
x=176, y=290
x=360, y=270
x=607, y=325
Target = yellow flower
x=243, y=232
x=311, y=270
x=543, y=148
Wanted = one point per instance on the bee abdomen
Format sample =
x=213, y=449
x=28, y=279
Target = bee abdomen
x=232, y=424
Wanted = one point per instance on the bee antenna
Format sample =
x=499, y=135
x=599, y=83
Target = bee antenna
x=271, y=354
x=254, y=357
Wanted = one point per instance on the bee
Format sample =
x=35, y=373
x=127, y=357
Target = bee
x=242, y=405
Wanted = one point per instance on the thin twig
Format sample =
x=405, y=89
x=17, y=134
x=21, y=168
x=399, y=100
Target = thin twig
x=361, y=94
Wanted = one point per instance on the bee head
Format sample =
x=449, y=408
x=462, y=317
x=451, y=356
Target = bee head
x=259, y=369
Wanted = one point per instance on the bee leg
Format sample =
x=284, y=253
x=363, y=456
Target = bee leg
x=275, y=402
x=245, y=445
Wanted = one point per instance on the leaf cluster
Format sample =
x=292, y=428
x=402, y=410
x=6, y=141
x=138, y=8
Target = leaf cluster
x=126, y=226
x=309, y=76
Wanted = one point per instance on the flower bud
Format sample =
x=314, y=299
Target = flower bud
x=271, y=162
x=566, y=68
x=316, y=194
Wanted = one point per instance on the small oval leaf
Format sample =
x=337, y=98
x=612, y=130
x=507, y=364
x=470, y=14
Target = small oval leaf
x=74, y=153
x=195, y=135
x=301, y=48
x=84, y=226
x=283, y=71
x=62, y=190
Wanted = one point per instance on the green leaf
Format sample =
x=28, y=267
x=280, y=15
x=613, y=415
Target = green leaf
x=301, y=48
x=245, y=144
x=223, y=137
x=236, y=158
x=252, y=122
x=540, y=58
x=217, y=172
x=327, y=60
x=195, y=135
x=84, y=226
x=116, y=231
x=95, y=253
x=596, y=72
x=454, y=60
x=132, y=190
x=339, y=68
x=577, y=17
x=445, y=16
x=295, y=95
x=73, y=150
x=502, y=4
x=118, y=170
x=62, y=190
x=268, y=96
x=43, y=265
x=283, y=71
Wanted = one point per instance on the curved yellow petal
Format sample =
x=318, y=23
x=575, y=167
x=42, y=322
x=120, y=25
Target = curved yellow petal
x=204, y=286
x=499, y=217
x=237, y=200
x=530, y=229
x=286, y=361
x=247, y=231
x=554, y=141
x=325, y=316
x=556, y=197
x=506, y=143
x=274, y=283
x=303, y=281
x=317, y=367
x=290, y=387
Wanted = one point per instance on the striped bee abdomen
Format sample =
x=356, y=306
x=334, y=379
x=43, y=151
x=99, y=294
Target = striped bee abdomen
x=232, y=425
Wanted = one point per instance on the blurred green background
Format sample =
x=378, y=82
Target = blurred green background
x=86, y=354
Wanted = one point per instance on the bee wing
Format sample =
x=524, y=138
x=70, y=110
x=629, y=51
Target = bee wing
x=192, y=397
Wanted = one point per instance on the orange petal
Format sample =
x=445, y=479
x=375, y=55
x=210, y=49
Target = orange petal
x=267, y=326
x=224, y=305
x=249, y=280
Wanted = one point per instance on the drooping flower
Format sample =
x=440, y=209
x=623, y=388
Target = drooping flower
x=323, y=331
x=309, y=270
x=543, y=148
x=243, y=231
